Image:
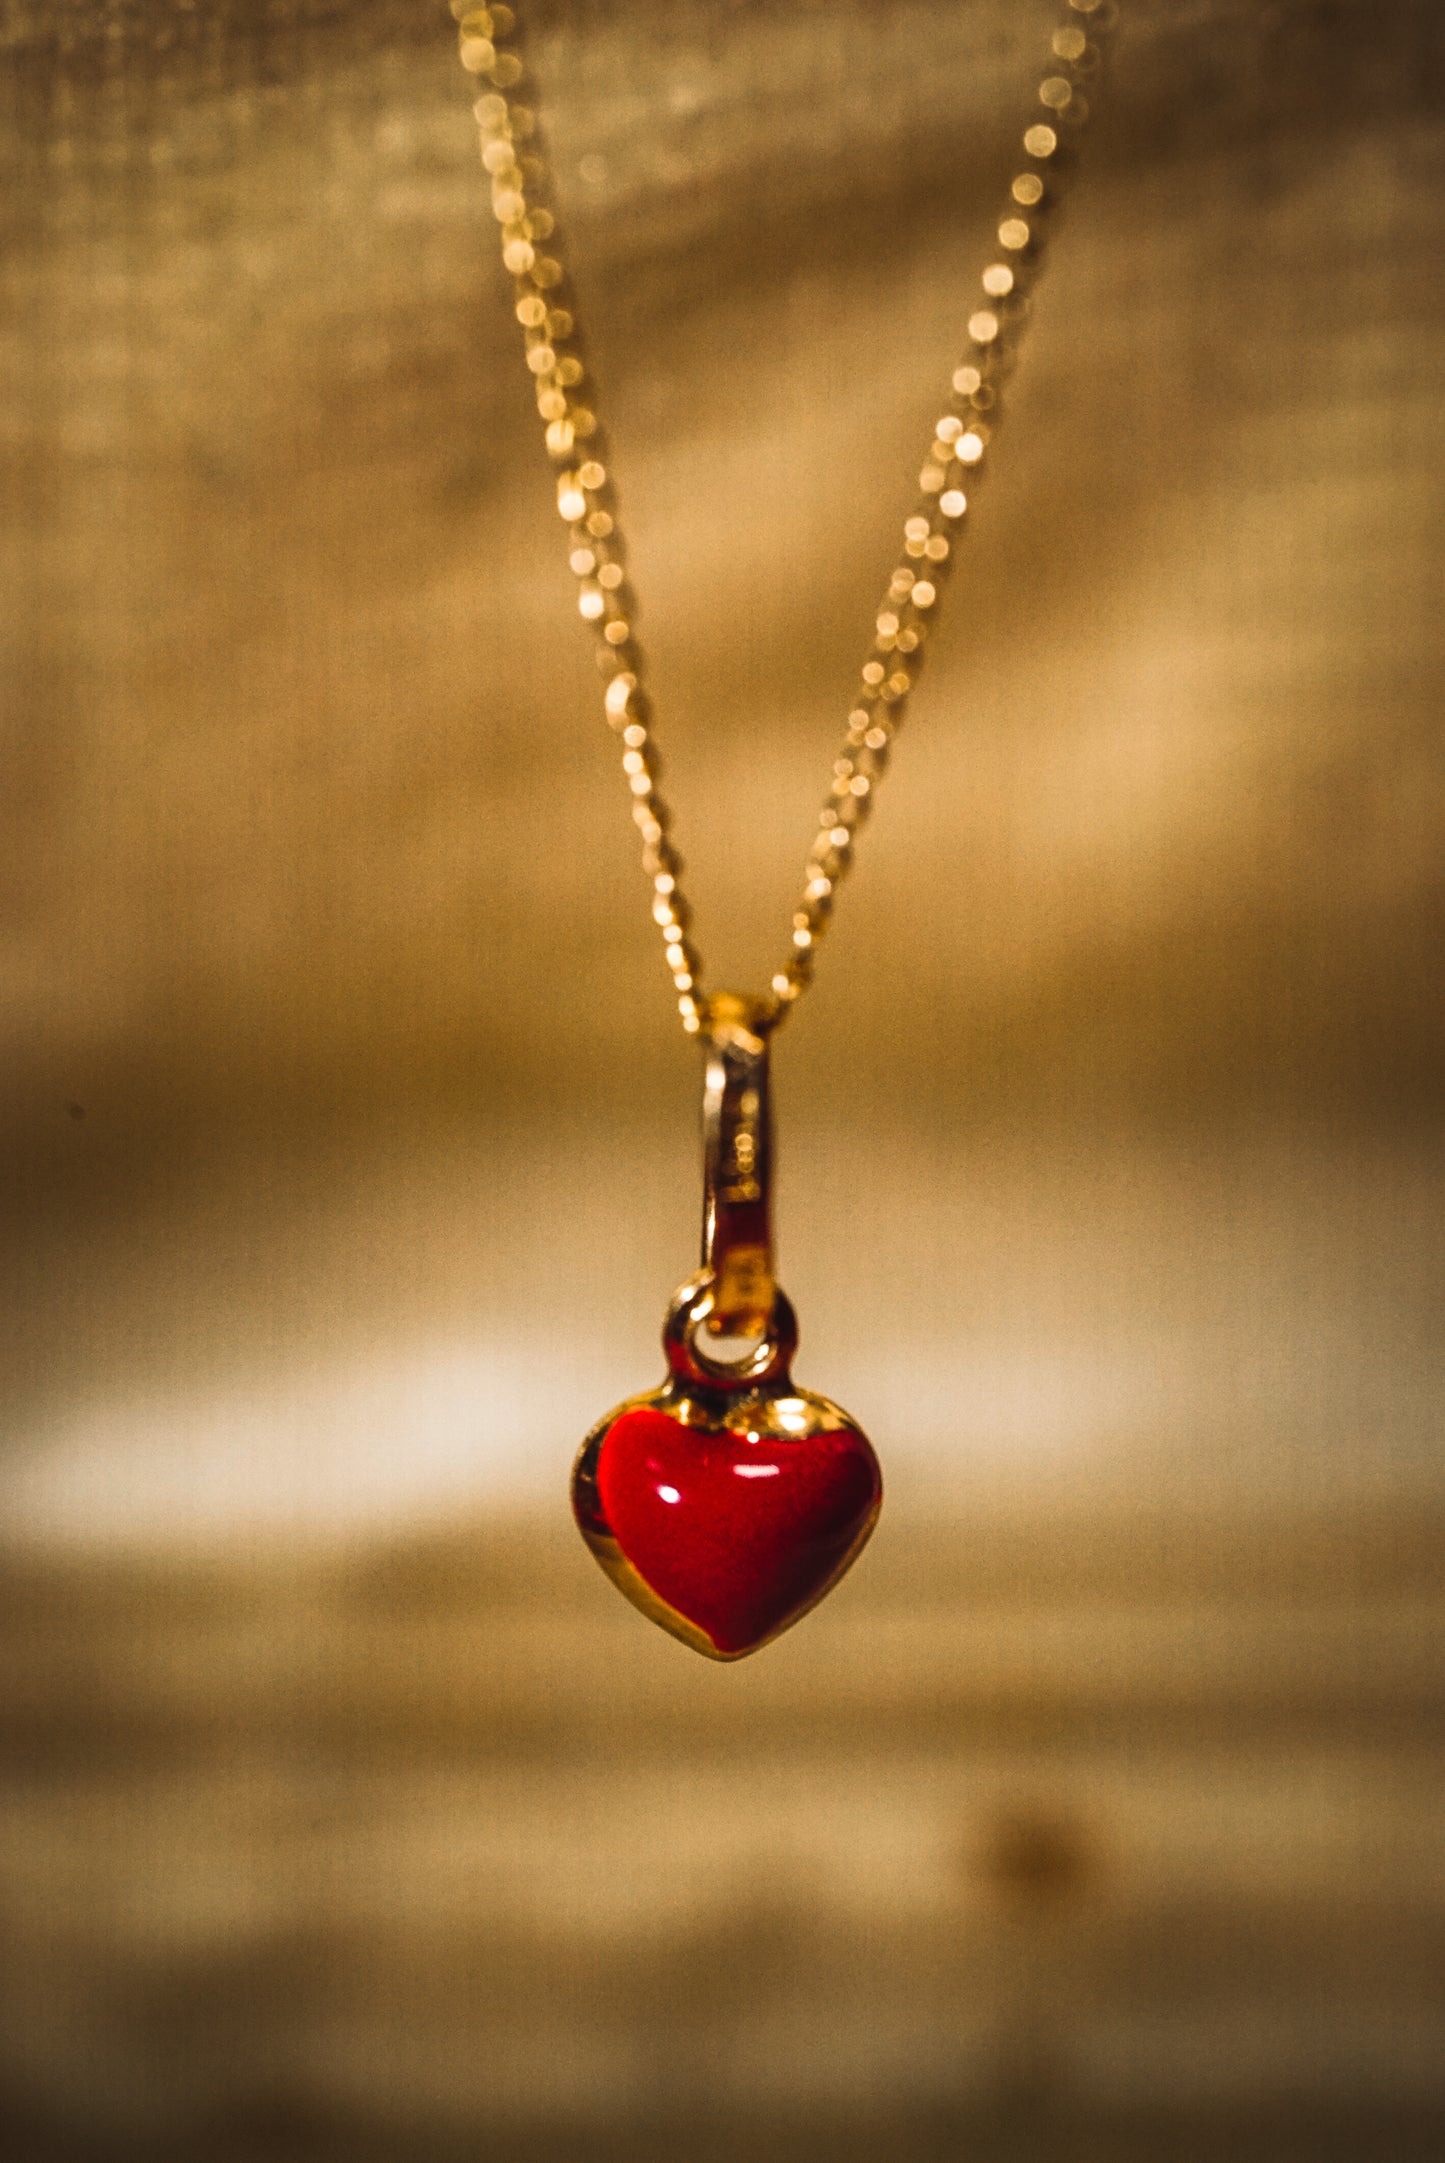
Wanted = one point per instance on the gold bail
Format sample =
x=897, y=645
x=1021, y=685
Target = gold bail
x=737, y=1220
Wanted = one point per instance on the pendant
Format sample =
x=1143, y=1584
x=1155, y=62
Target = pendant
x=727, y=1502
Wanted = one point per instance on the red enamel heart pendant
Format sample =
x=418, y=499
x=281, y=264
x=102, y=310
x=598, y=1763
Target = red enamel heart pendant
x=726, y=1515
x=727, y=1502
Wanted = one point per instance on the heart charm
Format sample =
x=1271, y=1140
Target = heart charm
x=726, y=1521
x=727, y=1502
x=726, y=1512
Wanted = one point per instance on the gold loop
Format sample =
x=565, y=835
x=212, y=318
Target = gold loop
x=768, y=1363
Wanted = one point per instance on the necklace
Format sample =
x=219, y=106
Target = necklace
x=727, y=1502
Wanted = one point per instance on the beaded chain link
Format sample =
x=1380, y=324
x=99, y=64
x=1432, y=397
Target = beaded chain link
x=586, y=497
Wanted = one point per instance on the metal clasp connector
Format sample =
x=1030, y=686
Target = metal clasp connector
x=737, y=1221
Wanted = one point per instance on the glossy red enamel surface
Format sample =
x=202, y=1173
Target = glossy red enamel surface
x=737, y=1535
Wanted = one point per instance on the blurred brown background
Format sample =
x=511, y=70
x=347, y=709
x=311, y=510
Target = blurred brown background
x=350, y=1144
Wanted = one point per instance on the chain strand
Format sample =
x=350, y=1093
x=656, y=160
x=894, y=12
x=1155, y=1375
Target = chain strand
x=586, y=497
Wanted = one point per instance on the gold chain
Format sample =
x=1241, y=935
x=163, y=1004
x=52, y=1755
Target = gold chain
x=587, y=502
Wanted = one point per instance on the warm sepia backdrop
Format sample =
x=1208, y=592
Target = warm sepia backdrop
x=349, y=1135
